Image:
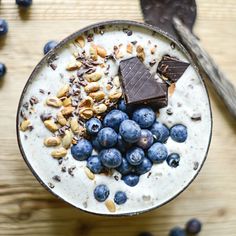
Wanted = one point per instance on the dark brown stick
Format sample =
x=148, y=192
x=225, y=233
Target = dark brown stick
x=224, y=88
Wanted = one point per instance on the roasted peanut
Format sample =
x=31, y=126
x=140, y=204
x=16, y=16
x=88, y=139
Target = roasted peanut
x=74, y=125
x=80, y=40
x=73, y=66
x=67, y=139
x=101, y=51
x=110, y=205
x=114, y=96
x=98, y=109
x=93, y=52
x=50, y=125
x=52, y=141
x=117, y=81
x=24, y=125
x=129, y=48
x=59, y=153
x=86, y=102
x=54, y=102
x=89, y=174
x=61, y=119
x=67, y=111
x=86, y=113
x=62, y=92
x=92, y=87
x=67, y=102
x=97, y=96
x=93, y=77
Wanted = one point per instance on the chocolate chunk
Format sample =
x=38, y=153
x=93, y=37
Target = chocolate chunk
x=161, y=13
x=172, y=68
x=139, y=85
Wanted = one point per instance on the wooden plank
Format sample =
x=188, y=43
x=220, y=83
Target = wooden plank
x=27, y=209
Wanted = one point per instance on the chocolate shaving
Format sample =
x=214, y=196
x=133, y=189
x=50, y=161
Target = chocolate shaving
x=53, y=66
x=127, y=31
x=57, y=178
x=45, y=116
x=33, y=100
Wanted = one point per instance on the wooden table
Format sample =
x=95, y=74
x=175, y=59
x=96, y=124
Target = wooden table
x=26, y=208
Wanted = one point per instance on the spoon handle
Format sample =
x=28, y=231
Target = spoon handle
x=224, y=88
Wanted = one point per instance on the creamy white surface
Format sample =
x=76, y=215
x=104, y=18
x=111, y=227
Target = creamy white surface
x=164, y=182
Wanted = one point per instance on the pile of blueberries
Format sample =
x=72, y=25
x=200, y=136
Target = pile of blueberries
x=4, y=30
x=192, y=227
x=130, y=142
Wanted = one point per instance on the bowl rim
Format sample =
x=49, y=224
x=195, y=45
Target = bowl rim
x=52, y=53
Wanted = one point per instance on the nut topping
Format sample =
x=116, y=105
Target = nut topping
x=92, y=87
x=62, y=92
x=50, y=125
x=52, y=141
x=25, y=125
x=93, y=77
x=54, y=102
x=59, y=153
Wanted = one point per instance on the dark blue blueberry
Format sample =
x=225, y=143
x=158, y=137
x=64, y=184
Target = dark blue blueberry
x=193, y=226
x=177, y=231
x=120, y=197
x=114, y=118
x=3, y=69
x=24, y=3
x=110, y=158
x=135, y=156
x=131, y=180
x=160, y=131
x=157, y=153
x=173, y=160
x=101, y=193
x=49, y=46
x=122, y=106
x=144, y=167
x=93, y=126
x=94, y=164
x=130, y=131
x=82, y=150
x=124, y=168
x=146, y=139
x=179, y=133
x=107, y=137
x=3, y=27
x=145, y=117
x=96, y=145
x=121, y=145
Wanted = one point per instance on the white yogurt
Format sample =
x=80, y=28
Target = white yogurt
x=164, y=182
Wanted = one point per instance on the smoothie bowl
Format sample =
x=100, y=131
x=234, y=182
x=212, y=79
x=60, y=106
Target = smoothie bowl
x=116, y=119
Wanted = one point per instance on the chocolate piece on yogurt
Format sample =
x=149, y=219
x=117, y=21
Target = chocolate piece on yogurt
x=172, y=68
x=139, y=85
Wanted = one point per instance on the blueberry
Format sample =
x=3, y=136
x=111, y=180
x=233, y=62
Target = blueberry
x=101, y=193
x=157, y=153
x=145, y=117
x=93, y=126
x=120, y=198
x=135, y=156
x=49, y=46
x=111, y=158
x=24, y=3
x=160, y=131
x=193, y=226
x=114, y=118
x=144, y=167
x=94, y=164
x=130, y=131
x=3, y=69
x=122, y=106
x=177, y=231
x=3, y=27
x=173, y=160
x=146, y=139
x=124, y=168
x=131, y=180
x=107, y=137
x=121, y=145
x=179, y=133
x=96, y=145
x=82, y=150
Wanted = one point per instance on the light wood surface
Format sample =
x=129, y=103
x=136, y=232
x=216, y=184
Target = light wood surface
x=26, y=208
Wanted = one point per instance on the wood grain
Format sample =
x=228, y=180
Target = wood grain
x=27, y=209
